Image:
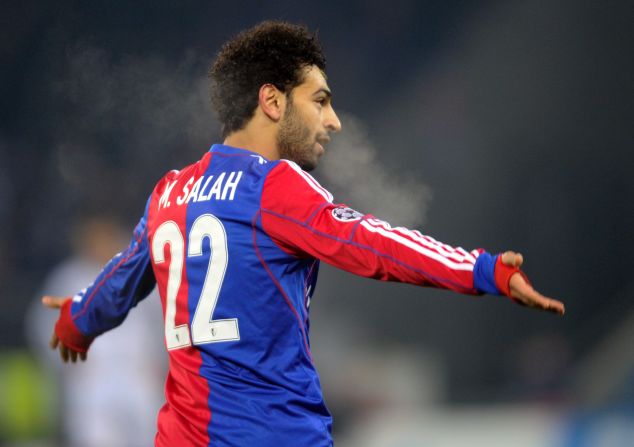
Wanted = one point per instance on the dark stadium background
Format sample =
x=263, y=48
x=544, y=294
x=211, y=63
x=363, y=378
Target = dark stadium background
x=513, y=122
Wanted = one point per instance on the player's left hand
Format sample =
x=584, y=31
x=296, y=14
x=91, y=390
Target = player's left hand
x=523, y=293
x=65, y=352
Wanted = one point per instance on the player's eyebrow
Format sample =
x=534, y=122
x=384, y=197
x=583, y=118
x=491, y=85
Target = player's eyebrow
x=324, y=90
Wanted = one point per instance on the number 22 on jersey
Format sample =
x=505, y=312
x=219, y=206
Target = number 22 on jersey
x=204, y=328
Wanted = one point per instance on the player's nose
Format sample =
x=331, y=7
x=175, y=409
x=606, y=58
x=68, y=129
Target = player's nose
x=331, y=120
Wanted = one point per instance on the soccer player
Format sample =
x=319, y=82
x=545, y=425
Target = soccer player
x=233, y=243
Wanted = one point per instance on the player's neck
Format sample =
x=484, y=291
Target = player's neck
x=256, y=137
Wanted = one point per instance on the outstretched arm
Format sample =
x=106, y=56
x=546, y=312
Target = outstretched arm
x=104, y=304
x=300, y=217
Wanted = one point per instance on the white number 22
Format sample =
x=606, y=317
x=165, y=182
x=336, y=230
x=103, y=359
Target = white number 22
x=204, y=328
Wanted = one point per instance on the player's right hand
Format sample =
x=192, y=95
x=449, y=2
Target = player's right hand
x=66, y=353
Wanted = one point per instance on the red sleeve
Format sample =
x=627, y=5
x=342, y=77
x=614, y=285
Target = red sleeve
x=298, y=214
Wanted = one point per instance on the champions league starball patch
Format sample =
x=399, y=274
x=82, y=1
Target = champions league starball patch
x=345, y=214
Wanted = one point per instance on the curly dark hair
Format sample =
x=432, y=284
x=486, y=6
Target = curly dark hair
x=272, y=52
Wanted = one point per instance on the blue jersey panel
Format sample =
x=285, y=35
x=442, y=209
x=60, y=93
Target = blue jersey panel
x=263, y=386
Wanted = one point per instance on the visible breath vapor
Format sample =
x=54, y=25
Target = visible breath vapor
x=131, y=119
x=353, y=172
x=148, y=98
x=127, y=120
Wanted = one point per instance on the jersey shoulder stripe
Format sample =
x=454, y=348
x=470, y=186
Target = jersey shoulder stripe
x=310, y=180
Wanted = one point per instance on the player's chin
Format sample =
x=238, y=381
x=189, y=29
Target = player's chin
x=309, y=163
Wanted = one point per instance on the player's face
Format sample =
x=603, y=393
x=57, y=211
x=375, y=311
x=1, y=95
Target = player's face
x=307, y=122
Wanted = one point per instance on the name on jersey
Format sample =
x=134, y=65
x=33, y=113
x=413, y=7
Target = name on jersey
x=217, y=187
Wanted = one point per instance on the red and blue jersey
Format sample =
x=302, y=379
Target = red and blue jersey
x=233, y=243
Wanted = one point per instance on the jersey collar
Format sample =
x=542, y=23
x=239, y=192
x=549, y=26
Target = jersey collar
x=224, y=149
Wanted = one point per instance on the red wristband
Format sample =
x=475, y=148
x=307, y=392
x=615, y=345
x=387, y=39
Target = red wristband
x=67, y=331
x=503, y=275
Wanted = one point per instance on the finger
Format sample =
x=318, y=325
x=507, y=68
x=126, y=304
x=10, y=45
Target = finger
x=83, y=356
x=54, y=341
x=54, y=302
x=512, y=259
x=549, y=304
x=532, y=298
x=73, y=356
x=555, y=306
x=63, y=352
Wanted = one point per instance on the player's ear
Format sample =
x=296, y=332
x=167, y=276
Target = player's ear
x=272, y=101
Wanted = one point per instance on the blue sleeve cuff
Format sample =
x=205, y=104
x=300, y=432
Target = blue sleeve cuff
x=484, y=274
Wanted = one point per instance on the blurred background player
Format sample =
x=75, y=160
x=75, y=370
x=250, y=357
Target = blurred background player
x=113, y=399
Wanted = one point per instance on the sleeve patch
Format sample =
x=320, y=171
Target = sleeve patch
x=345, y=214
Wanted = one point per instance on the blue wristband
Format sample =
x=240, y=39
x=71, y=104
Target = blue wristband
x=484, y=274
